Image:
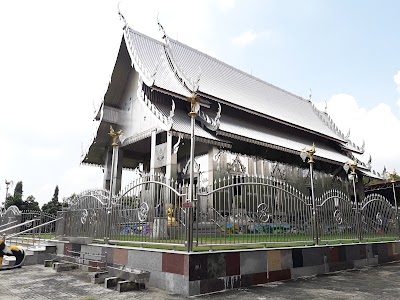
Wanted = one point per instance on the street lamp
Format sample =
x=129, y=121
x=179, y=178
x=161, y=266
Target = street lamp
x=194, y=109
x=304, y=154
x=352, y=165
x=392, y=177
x=8, y=184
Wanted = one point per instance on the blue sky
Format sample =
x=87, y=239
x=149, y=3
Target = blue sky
x=56, y=58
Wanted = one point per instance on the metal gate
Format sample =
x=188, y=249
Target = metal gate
x=244, y=210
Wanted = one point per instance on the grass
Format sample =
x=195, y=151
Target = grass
x=236, y=241
x=245, y=242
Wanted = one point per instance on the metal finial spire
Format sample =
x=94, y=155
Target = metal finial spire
x=161, y=28
x=121, y=16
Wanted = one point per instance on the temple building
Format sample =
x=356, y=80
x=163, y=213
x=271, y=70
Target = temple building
x=245, y=126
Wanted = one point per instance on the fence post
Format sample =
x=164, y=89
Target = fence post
x=358, y=219
x=396, y=210
x=304, y=154
x=114, y=162
x=314, y=207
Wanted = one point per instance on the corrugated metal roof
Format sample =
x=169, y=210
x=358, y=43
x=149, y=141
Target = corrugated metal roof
x=151, y=61
x=371, y=174
x=225, y=82
x=232, y=85
x=276, y=139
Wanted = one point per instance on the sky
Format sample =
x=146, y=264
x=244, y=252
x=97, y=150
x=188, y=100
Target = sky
x=56, y=60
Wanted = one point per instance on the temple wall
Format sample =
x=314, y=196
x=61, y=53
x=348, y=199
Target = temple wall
x=206, y=272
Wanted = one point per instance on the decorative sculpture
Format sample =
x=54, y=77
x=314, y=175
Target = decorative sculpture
x=170, y=214
x=15, y=251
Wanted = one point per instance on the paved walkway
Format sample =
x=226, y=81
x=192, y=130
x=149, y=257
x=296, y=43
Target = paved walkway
x=37, y=282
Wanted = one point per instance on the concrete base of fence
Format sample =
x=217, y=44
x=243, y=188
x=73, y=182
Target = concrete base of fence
x=205, y=272
x=80, y=240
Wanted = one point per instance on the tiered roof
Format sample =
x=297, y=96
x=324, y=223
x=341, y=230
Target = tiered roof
x=177, y=69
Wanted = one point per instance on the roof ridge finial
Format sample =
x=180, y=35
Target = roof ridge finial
x=161, y=28
x=121, y=16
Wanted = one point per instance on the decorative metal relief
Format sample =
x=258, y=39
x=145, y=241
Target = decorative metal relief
x=84, y=216
x=278, y=171
x=263, y=212
x=93, y=218
x=143, y=212
x=160, y=155
x=379, y=218
x=196, y=167
x=337, y=215
x=217, y=158
x=176, y=146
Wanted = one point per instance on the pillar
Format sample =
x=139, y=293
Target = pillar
x=107, y=169
x=153, y=151
x=212, y=176
x=118, y=172
x=360, y=188
x=171, y=167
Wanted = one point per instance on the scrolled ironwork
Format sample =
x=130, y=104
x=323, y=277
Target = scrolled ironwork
x=337, y=215
x=84, y=216
x=263, y=212
x=143, y=212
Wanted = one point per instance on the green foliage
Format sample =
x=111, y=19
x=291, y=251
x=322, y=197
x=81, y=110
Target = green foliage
x=55, y=196
x=53, y=206
x=30, y=204
x=18, y=188
x=16, y=199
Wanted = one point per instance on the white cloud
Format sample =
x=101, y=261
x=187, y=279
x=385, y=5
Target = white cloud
x=247, y=38
x=46, y=152
x=79, y=178
x=226, y=5
x=54, y=70
x=377, y=126
x=396, y=78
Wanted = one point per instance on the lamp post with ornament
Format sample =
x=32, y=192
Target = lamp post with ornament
x=392, y=177
x=304, y=154
x=194, y=109
x=351, y=166
x=114, y=161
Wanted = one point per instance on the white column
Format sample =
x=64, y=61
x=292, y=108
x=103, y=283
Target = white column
x=107, y=169
x=153, y=151
x=171, y=167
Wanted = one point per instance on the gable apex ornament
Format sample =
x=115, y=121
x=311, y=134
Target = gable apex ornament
x=236, y=166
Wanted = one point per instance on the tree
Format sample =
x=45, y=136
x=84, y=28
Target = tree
x=30, y=204
x=18, y=188
x=55, y=196
x=53, y=206
x=16, y=199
